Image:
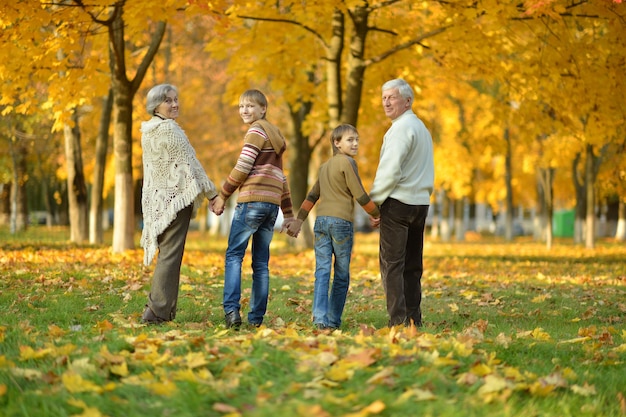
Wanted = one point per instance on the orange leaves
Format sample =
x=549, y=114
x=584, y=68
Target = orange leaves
x=344, y=368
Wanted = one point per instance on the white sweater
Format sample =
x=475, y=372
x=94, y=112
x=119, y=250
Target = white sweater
x=406, y=169
x=173, y=178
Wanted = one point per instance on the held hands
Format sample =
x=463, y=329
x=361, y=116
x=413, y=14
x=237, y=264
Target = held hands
x=217, y=205
x=375, y=222
x=292, y=226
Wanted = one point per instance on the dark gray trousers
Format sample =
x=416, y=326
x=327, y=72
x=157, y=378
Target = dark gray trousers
x=400, y=258
x=164, y=291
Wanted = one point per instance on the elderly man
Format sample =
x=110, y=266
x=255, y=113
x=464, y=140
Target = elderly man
x=402, y=188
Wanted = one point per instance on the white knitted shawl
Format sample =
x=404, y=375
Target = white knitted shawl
x=173, y=178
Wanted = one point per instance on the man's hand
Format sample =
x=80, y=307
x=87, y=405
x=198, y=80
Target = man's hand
x=375, y=222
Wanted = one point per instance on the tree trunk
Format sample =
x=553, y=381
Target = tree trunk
x=356, y=65
x=77, y=189
x=123, y=92
x=508, y=179
x=333, y=69
x=459, y=224
x=546, y=204
x=445, y=228
x=434, y=227
x=5, y=203
x=124, y=209
x=620, y=233
x=19, y=208
x=96, y=234
x=581, y=208
x=590, y=197
x=299, y=160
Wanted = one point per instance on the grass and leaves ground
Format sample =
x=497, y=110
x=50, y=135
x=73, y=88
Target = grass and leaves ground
x=510, y=330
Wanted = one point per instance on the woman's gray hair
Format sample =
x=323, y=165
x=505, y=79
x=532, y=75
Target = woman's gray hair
x=404, y=89
x=157, y=95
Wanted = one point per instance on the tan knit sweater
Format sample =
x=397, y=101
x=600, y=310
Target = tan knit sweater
x=337, y=186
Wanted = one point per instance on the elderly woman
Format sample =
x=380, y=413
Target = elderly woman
x=175, y=185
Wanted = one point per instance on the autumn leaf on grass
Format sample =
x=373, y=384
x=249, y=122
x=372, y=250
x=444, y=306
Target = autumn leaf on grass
x=480, y=369
x=28, y=374
x=164, y=388
x=27, y=352
x=55, y=331
x=87, y=411
x=415, y=394
x=306, y=410
x=344, y=369
x=120, y=370
x=374, y=408
x=586, y=390
x=495, y=387
x=574, y=340
x=541, y=298
x=82, y=366
x=538, y=334
x=75, y=383
x=225, y=409
x=545, y=386
x=103, y=326
x=195, y=360
x=383, y=376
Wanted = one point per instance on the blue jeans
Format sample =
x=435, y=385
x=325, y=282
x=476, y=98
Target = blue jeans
x=254, y=219
x=332, y=236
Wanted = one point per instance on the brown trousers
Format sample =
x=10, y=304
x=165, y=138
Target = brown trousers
x=164, y=291
x=400, y=258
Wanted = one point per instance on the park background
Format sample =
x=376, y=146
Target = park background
x=524, y=259
x=525, y=102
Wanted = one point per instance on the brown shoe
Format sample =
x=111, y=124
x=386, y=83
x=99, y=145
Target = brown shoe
x=149, y=317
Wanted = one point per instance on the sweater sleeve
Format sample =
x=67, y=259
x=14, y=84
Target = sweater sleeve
x=357, y=190
x=309, y=201
x=249, y=153
x=286, y=205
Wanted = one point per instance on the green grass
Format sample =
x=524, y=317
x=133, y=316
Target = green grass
x=510, y=330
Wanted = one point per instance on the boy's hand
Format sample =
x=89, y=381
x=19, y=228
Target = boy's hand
x=293, y=227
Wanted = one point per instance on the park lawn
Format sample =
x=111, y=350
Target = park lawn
x=510, y=330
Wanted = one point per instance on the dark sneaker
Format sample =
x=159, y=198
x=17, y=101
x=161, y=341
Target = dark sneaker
x=233, y=319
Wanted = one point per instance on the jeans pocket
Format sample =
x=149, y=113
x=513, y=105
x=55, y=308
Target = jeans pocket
x=260, y=214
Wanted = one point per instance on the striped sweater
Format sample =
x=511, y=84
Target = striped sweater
x=258, y=173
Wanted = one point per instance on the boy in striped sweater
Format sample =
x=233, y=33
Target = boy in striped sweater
x=263, y=189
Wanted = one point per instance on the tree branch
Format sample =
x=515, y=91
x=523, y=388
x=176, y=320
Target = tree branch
x=406, y=45
x=155, y=43
x=289, y=21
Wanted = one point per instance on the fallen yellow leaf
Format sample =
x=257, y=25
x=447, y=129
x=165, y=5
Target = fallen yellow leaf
x=586, y=390
x=75, y=383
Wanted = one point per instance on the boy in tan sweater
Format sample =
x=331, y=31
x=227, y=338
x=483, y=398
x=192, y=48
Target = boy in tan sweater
x=337, y=186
